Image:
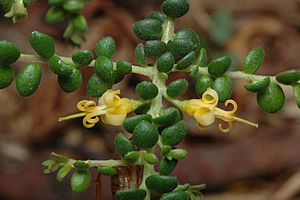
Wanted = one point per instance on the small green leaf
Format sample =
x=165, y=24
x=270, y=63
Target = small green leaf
x=97, y=86
x=146, y=90
x=63, y=172
x=145, y=135
x=59, y=67
x=155, y=48
x=80, y=23
x=174, y=134
x=186, y=61
x=182, y=195
x=156, y=15
x=166, y=167
x=254, y=60
x=178, y=153
x=71, y=82
x=203, y=83
x=202, y=58
x=130, y=123
x=131, y=194
x=124, y=67
x=271, y=99
x=148, y=29
x=177, y=88
x=259, y=85
x=175, y=8
x=290, y=77
x=104, y=68
x=9, y=53
x=81, y=180
x=6, y=76
x=180, y=48
x=223, y=86
x=165, y=62
x=122, y=144
x=217, y=67
x=81, y=165
x=55, y=15
x=132, y=156
x=43, y=44
x=106, y=47
x=140, y=55
x=107, y=170
x=82, y=57
x=150, y=158
x=161, y=183
x=73, y=6
x=168, y=117
x=297, y=94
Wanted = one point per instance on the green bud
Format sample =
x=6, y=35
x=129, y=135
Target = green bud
x=42, y=44
x=143, y=109
x=217, y=67
x=166, y=167
x=9, y=53
x=254, y=60
x=290, y=77
x=259, y=85
x=80, y=165
x=174, y=134
x=186, y=61
x=71, y=82
x=165, y=62
x=124, y=67
x=140, y=55
x=107, y=170
x=82, y=57
x=168, y=117
x=59, y=158
x=156, y=15
x=132, y=156
x=145, y=135
x=6, y=76
x=106, y=47
x=194, y=71
x=178, y=153
x=175, y=8
x=155, y=48
x=63, y=172
x=59, y=67
x=161, y=183
x=165, y=149
x=202, y=58
x=28, y=79
x=131, y=194
x=54, y=15
x=148, y=29
x=97, y=86
x=223, y=86
x=104, y=68
x=203, y=83
x=296, y=89
x=123, y=145
x=150, y=158
x=180, y=195
x=80, y=23
x=81, y=180
x=73, y=6
x=146, y=90
x=189, y=35
x=177, y=88
x=50, y=166
x=180, y=48
x=131, y=122
x=271, y=99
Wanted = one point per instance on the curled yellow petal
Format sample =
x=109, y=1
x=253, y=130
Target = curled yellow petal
x=210, y=96
x=234, y=104
x=86, y=105
x=110, y=98
x=193, y=105
x=204, y=116
x=90, y=120
x=225, y=130
x=114, y=116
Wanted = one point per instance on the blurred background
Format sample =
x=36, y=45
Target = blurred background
x=247, y=163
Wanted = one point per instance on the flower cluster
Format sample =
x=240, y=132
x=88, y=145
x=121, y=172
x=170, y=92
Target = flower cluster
x=205, y=111
x=111, y=109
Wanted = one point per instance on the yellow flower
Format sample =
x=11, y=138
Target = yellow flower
x=205, y=111
x=111, y=109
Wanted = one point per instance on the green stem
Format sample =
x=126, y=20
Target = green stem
x=26, y=58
